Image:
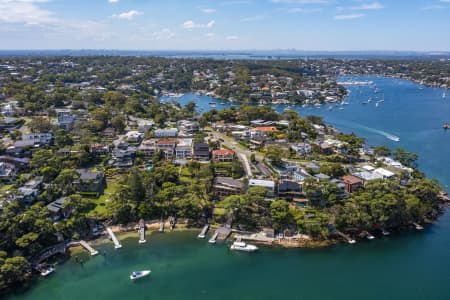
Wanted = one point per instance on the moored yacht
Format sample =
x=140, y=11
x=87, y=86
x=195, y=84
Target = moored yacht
x=241, y=246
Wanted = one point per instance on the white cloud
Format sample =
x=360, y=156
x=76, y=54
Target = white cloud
x=232, y=37
x=210, y=35
x=24, y=11
x=367, y=6
x=192, y=25
x=209, y=10
x=129, y=15
x=113, y=1
x=348, y=17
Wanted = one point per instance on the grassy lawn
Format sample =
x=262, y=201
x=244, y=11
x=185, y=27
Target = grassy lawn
x=100, y=202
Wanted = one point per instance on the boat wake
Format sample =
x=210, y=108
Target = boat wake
x=383, y=133
x=387, y=135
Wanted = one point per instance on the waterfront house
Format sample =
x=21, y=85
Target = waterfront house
x=227, y=186
x=123, y=158
x=223, y=155
x=90, y=182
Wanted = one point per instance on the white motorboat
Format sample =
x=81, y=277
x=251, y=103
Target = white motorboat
x=241, y=246
x=139, y=274
x=370, y=237
x=352, y=241
x=48, y=271
x=385, y=232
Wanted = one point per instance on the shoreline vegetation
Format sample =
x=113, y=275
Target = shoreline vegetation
x=88, y=144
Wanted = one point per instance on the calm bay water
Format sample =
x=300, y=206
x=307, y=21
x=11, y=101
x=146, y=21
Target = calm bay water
x=414, y=265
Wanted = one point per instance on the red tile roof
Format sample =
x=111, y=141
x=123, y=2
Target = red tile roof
x=265, y=129
x=223, y=152
x=349, y=179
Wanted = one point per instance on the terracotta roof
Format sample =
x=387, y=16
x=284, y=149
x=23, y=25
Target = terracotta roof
x=223, y=152
x=349, y=179
x=265, y=129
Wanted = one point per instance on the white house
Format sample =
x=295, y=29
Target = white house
x=267, y=184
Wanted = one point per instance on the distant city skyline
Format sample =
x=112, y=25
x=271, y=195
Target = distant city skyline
x=311, y=25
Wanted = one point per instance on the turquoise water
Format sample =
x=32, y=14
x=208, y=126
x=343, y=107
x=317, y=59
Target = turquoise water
x=412, y=265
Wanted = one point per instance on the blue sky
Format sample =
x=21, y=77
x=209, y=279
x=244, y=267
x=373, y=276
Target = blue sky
x=333, y=25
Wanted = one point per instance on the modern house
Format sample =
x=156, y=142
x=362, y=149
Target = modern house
x=58, y=210
x=269, y=185
x=165, y=133
x=227, y=186
x=201, y=151
x=289, y=189
x=90, y=182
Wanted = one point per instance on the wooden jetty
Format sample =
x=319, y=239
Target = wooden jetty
x=88, y=247
x=117, y=245
x=221, y=233
x=346, y=237
x=161, y=226
x=202, y=234
x=141, y=232
x=213, y=239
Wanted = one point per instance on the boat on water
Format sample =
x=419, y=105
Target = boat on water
x=418, y=226
x=385, y=232
x=443, y=95
x=364, y=102
x=370, y=237
x=377, y=104
x=47, y=271
x=241, y=246
x=393, y=137
x=139, y=274
x=446, y=126
x=351, y=241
